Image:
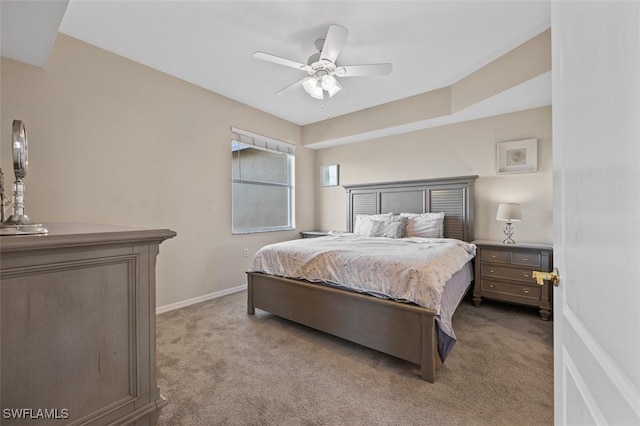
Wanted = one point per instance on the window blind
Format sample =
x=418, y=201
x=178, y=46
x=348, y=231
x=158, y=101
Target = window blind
x=261, y=142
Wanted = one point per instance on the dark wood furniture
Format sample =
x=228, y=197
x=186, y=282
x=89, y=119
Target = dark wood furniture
x=78, y=325
x=504, y=272
x=410, y=330
x=314, y=234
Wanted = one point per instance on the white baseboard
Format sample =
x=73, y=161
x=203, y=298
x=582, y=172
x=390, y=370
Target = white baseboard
x=193, y=301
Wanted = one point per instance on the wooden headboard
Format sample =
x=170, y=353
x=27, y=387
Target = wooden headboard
x=453, y=196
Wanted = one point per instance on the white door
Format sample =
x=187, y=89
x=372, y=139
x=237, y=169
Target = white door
x=596, y=137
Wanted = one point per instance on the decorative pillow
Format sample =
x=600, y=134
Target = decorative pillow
x=362, y=221
x=424, y=225
x=366, y=225
x=383, y=216
x=387, y=229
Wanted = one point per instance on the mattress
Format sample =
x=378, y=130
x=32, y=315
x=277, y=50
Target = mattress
x=453, y=293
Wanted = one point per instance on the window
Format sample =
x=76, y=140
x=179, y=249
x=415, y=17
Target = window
x=262, y=170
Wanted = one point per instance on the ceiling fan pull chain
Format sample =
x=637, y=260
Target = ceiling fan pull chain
x=322, y=106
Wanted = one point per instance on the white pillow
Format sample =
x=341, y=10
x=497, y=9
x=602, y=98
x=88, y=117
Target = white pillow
x=386, y=229
x=362, y=226
x=424, y=225
x=383, y=216
x=364, y=220
x=376, y=225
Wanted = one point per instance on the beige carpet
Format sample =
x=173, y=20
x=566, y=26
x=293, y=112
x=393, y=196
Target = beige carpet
x=218, y=366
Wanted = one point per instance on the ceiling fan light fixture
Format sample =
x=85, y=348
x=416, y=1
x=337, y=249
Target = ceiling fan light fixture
x=335, y=89
x=317, y=93
x=321, y=66
x=312, y=86
x=309, y=84
x=328, y=82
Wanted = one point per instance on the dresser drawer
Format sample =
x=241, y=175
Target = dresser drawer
x=494, y=256
x=526, y=259
x=507, y=273
x=524, y=291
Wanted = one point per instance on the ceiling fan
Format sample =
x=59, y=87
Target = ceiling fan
x=322, y=67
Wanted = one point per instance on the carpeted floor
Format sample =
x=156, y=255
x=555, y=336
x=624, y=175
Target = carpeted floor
x=219, y=366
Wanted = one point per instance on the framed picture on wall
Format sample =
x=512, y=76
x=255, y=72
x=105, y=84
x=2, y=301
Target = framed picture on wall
x=329, y=175
x=517, y=156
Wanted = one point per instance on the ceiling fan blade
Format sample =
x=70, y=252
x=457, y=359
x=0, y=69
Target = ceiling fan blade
x=364, y=70
x=292, y=86
x=281, y=61
x=333, y=43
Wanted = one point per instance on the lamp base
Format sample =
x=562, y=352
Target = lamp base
x=508, y=231
x=21, y=225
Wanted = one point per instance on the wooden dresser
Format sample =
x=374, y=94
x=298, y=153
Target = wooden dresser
x=77, y=316
x=504, y=272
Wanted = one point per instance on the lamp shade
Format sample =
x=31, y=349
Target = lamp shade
x=309, y=84
x=328, y=82
x=312, y=86
x=509, y=212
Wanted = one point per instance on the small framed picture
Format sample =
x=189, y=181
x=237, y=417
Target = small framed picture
x=517, y=156
x=329, y=175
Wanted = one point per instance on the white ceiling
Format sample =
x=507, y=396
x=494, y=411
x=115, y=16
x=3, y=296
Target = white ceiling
x=431, y=44
x=29, y=29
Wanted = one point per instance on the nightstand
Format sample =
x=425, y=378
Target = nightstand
x=504, y=273
x=314, y=234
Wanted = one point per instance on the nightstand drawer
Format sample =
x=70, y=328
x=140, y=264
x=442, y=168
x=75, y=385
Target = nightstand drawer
x=495, y=256
x=527, y=292
x=506, y=273
x=526, y=259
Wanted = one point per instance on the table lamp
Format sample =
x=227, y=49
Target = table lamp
x=509, y=212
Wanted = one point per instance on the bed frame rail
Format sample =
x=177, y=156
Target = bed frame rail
x=404, y=331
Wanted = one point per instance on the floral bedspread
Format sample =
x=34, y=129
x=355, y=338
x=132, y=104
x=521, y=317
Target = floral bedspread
x=403, y=269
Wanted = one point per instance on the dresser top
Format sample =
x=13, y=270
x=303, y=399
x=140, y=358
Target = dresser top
x=70, y=234
x=491, y=243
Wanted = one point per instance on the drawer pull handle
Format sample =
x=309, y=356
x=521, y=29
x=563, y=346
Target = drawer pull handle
x=493, y=256
x=525, y=258
x=491, y=286
x=525, y=290
x=492, y=271
x=526, y=275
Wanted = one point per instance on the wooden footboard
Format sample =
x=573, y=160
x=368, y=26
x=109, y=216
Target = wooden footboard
x=402, y=330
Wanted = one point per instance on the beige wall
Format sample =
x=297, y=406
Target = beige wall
x=456, y=150
x=112, y=141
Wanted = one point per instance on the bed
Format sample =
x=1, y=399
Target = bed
x=404, y=330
